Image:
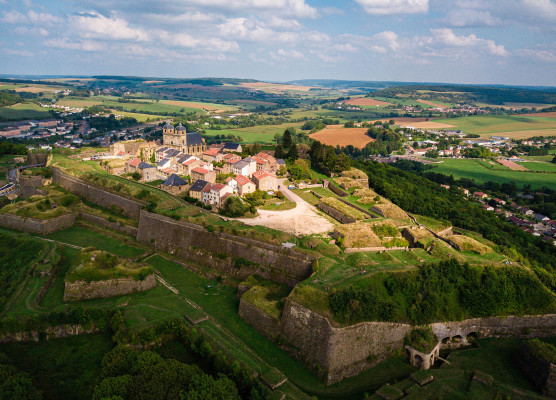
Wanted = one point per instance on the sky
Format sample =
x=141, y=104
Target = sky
x=456, y=41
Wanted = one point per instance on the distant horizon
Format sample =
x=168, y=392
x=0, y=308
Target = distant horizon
x=77, y=76
x=496, y=42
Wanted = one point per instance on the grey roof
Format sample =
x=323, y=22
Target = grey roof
x=280, y=161
x=184, y=158
x=171, y=153
x=194, y=139
x=144, y=165
x=180, y=127
x=162, y=150
x=249, y=159
x=198, y=186
x=168, y=126
x=241, y=164
x=162, y=162
x=174, y=180
x=231, y=146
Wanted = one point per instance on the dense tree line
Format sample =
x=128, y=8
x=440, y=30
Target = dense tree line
x=419, y=195
x=464, y=93
x=325, y=159
x=133, y=374
x=110, y=123
x=443, y=291
x=15, y=384
x=8, y=98
x=12, y=148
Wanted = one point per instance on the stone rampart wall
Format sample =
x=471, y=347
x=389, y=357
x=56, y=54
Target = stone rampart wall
x=264, y=323
x=347, y=351
x=37, y=226
x=344, y=219
x=104, y=223
x=234, y=255
x=99, y=196
x=82, y=290
x=52, y=332
x=29, y=184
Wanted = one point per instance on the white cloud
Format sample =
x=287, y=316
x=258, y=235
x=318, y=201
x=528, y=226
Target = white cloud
x=98, y=26
x=447, y=37
x=250, y=29
x=388, y=7
x=32, y=17
x=20, y=53
x=190, y=17
x=290, y=54
x=85, y=45
x=470, y=17
x=538, y=54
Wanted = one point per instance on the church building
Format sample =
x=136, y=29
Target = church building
x=186, y=142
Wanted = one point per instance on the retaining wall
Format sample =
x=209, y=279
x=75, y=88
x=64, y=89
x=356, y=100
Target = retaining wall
x=29, y=184
x=37, y=226
x=99, y=221
x=100, y=196
x=233, y=255
x=83, y=290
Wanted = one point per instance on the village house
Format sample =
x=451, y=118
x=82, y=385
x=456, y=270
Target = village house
x=245, y=167
x=229, y=161
x=244, y=185
x=232, y=148
x=265, y=181
x=213, y=155
x=202, y=174
x=196, y=190
x=163, y=164
x=174, y=184
x=131, y=165
x=215, y=194
x=480, y=195
x=147, y=171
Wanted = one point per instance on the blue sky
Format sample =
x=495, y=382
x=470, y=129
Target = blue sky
x=460, y=41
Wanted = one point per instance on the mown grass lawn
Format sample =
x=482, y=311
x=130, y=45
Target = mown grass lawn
x=473, y=169
x=83, y=237
x=23, y=111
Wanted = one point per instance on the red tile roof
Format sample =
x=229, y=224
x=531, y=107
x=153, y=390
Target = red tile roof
x=242, y=180
x=262, y=174
x=134, y=162
x=200, y=170
x=218, y=186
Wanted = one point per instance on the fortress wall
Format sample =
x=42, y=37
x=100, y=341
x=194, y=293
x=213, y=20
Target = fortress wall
x=37, y=226
x=234, y=255
x=347, y=351
x=264, y=323
x=99, y=196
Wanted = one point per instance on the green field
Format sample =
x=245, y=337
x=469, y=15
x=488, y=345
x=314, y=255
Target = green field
x=482, y=172
x=261, y=133
x=539, y=166
x=513, y=126
x=23, y=111
x=83, y=237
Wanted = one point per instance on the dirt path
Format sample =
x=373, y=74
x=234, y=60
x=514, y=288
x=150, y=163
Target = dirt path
x=301, y=220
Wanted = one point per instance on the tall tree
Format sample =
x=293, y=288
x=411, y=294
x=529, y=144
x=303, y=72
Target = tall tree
x=287, y=139
x=279, y=151
x=293, y=153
